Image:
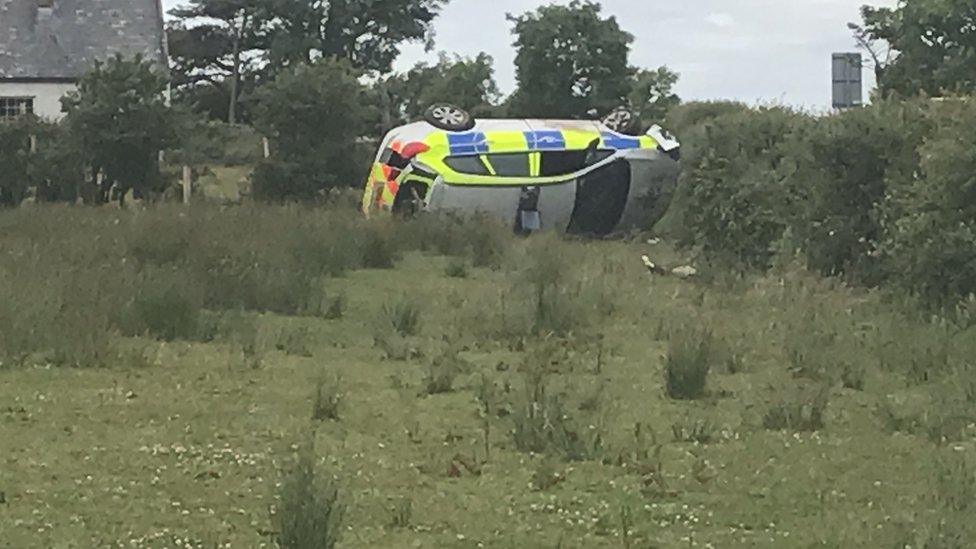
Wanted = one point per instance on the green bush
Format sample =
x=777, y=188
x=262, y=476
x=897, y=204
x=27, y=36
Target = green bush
x=737, y=187
x=929, y=243
x=313, y=115
x=456, y=269
x=845, y=164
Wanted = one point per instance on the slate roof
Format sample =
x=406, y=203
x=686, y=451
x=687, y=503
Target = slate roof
x=63, y=41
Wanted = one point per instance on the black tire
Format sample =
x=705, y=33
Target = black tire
x=445, y=116
x=623, y=120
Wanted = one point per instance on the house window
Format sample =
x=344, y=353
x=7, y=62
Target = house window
x=11, y=107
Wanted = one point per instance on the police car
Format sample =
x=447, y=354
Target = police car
x=578, y=176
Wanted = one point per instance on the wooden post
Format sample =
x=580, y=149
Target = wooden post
x=187, y=183
x=33, y=144
x=267, y=147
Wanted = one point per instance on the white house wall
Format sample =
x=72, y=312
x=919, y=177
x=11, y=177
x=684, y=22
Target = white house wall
x=47, y=96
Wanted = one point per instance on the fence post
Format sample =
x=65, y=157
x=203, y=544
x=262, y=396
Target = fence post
x=187, y=183
x=267, y=147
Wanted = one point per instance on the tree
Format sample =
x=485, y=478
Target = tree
x=368, y=33
x=651, y=94
x=466, y=82
x=211, y=46
x=570, y=59
x=315, y=115
x=120, y=120
x=933, y=42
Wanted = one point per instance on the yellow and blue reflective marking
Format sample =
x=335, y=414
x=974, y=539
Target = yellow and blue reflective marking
x=474, y=142
x=467, y=143
x=550, y=140
x=619, y=142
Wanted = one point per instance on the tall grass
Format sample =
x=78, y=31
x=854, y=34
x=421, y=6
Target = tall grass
x=72, y=278
x=689, y=360
x=309, y=515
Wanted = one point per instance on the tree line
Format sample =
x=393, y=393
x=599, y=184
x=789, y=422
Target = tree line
x=570, y=59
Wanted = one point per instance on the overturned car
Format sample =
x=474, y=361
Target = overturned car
x=576, y=176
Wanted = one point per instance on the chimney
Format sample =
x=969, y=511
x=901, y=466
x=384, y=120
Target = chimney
x=44, y=10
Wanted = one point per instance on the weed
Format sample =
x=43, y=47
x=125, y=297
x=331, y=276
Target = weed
x=327, y=399
x=440, y=375
x=542, y=425
x=626, y=526
x=546, y=475
x=401, y=513
x=688, y=363
x=801, y=411
x=403, y=316
x=699, y=431
x=487, y=398
x=309, y=515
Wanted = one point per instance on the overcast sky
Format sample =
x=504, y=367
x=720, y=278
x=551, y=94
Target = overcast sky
x=750, y=50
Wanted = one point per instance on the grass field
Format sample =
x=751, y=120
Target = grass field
x=557, y=395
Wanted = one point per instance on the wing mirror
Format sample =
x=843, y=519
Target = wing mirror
x=666, y=143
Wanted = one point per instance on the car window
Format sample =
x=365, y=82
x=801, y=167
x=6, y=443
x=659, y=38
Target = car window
x=510, y=164
x=467, y=164
x=555, y=163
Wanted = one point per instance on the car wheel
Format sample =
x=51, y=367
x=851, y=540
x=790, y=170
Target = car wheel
x=622, y=120
x=445, y=116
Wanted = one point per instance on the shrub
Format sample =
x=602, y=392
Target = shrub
x=688, y=363
x=313, y=134
x=121, y=119
x=930, y=233
x=310, y=514
x=738, y=198
x=845, y=164
x=456, y=269
x=440, y=374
